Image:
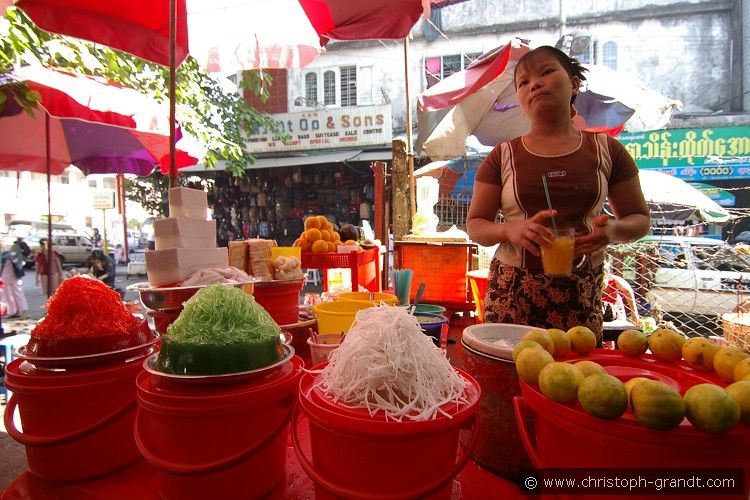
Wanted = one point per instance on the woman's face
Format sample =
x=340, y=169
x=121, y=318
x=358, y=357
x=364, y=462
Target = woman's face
x=543, y=86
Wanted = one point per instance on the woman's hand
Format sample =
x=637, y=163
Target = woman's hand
x=599, y=237
x=532, y=233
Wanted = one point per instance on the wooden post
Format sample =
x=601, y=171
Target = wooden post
x=399, y=187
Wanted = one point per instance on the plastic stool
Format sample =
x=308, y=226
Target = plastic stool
x=313, y=276
x=9, y=344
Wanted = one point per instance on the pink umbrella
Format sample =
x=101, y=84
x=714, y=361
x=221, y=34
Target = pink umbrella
x=96, y=125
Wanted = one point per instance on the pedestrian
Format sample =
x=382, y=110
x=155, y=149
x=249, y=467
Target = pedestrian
x=11, y=273
x=24, y=247
x=54, y=270
x=102, y=267
x=583, y=169
x=96, y=238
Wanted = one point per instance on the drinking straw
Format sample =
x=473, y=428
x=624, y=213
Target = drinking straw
x=549, y=201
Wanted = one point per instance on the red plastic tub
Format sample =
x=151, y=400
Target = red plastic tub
x=358, y=456
x=217, y=441
x=566, y=436
x=77, y=423
x=280, y=299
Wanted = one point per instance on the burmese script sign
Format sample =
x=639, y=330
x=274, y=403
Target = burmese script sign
x=693, y=153
x=326, y=129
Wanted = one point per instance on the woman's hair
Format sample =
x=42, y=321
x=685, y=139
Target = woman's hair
x=97, y=254
x=571, y=65
x=43, y=241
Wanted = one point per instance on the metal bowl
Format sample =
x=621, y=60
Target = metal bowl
x=171, y=298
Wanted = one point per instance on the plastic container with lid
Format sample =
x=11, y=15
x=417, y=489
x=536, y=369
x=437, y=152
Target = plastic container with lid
x=487, y=356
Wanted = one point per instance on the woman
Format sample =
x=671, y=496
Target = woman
x=582, y=170
x=102, y=267
x=42, y=269
x=11, y=274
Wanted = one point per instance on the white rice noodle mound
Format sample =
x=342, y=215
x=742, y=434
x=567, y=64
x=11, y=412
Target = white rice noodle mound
x=387, y=363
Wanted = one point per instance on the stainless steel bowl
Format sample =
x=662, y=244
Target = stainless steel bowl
x=171, y=298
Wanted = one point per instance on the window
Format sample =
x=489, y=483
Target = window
x=329, y=88
x=108, y=183
x=336, y=86
x=439, y=67
x=92, y=183
x=311, y=88
x=4, y=173
x=609, y=55
x=348, y=86
x=64, y=179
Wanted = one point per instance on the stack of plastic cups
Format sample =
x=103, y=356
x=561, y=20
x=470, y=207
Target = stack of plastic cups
x=401, y=279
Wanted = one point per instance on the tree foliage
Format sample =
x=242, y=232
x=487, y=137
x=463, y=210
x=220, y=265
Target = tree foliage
x=218, y=119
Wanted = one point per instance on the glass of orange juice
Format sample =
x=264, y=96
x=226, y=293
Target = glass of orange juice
x=557, y=258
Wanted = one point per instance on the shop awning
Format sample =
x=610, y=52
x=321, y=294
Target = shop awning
x=311, y=159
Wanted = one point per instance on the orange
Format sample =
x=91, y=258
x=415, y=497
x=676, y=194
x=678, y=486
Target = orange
x=322, y=221
x=313, y=234
x=325, y=234
x=331, y=246
x=319, y=246
x=301, y=242
x=312, y=222
x=336, y=236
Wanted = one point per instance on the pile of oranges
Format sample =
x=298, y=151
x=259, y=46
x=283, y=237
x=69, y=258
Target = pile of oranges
x=319, y=236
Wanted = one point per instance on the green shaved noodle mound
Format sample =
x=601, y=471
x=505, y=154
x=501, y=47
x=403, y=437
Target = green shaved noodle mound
x=221, y=330
x=220, y=314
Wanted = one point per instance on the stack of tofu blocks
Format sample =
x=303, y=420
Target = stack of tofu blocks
x=185, y=242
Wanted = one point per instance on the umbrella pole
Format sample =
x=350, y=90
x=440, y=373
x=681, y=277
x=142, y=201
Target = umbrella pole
x=121, y=202
x=409, y=151
x=172, y=75
x=49, y=203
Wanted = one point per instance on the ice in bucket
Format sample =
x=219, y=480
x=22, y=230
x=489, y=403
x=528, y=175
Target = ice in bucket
x=557, y=259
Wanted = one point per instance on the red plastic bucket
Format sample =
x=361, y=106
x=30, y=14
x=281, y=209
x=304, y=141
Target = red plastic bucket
x=280, y=299
x=358, y=456
x=78, y=423
x=217, y=441
x=566, y=436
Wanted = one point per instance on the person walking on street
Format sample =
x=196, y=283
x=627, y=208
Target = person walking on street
x=11, y=273
x=96, y=238
x=54, y=270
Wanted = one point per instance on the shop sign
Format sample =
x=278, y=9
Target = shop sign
x=720, y=196
x=693, y=153
x=103, y=199
x=325, y=129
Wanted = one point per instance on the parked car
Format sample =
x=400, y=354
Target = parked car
x=690, y=275
x=74, y=249
x=25, y=228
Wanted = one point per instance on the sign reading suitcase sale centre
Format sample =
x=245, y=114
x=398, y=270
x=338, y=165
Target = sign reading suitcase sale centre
x=325, y=129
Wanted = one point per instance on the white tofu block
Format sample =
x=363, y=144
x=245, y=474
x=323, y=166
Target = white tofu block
x=177, y=232
x=169, y=267
x=188, y=203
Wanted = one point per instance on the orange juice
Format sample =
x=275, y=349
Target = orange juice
x=557, y=259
